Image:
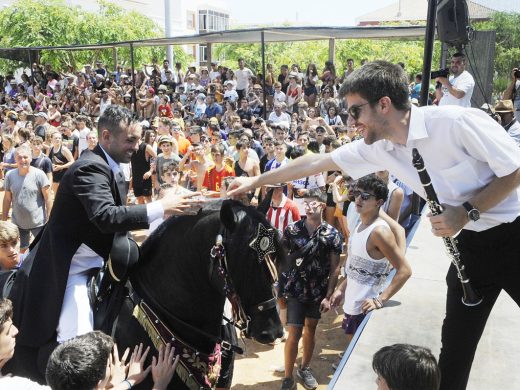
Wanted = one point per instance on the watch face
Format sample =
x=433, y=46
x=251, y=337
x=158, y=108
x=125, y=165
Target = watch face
x=474, y=215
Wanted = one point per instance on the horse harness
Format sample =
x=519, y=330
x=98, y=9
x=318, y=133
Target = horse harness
x=198, y=370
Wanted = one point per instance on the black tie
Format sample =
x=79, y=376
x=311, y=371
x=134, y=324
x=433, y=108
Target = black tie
x=121, y=186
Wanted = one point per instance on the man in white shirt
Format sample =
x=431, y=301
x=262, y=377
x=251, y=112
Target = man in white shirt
x=458, y=89
x=475, y=168
x=280, y=117
x=242, y=74
x=165, y=68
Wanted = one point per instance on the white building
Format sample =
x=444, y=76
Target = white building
x=188, y=17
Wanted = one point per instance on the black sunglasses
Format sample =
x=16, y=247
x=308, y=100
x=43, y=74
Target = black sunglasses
x=364, y=195
x=355, y=110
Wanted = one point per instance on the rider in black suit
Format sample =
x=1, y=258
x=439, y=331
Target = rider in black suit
x=90, y=207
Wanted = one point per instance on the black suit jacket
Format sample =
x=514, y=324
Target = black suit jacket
x=88, y=209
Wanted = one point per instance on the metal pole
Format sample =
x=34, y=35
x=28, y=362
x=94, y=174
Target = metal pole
x=428, y=51
x=114, y=58
x=168, y=30
x=134, y=94
x=264, y=94
x=427, y=67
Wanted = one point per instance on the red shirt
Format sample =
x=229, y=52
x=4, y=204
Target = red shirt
x=213, y=178
x=165, y=111
x=283, y=215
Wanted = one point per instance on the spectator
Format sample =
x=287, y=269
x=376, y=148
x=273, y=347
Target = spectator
x=243, y=75
x=512, y=92
x=505, y=109
x=182, y=142
x=61, y=159
x=69, y=139
x=165, y=143
x=246, y=166
x=27, y=190
x=294, y=93
x=314, y=248
x=142, y=169
x=458, y=89
x=309, y=85
x=8, y=159
x=8, y=334
x=9, y=247
x=230, y=94
x=282, y=210
x=39, y=159
x=214, y=175
x=279, y=117
x=372, y=251
x=404, y=367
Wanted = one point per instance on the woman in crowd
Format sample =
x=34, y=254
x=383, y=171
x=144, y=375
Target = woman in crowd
x=309, y=85
x=61, y=158
x=332, y=118
x=142, y=168
x=294, y=92
x=8, y=160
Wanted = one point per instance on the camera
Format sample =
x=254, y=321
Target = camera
x=440, y=73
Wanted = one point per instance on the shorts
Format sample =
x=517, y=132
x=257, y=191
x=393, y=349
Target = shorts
x=297, y=312
x=225, y=378
x=308, y=91
x=330, y=200
x=351, y=322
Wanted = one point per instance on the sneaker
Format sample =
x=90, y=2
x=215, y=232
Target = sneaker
x=288, y=384
x=305, y=374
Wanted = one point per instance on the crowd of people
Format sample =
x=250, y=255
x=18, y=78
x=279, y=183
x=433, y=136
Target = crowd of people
x=193, y=133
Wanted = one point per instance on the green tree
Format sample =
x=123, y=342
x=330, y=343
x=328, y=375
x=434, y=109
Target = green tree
x=507, y=48
x=32, y=23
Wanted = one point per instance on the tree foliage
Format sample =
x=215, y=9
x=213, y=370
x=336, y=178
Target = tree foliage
x=303, y=53
x=507, y=55
x=31, y=23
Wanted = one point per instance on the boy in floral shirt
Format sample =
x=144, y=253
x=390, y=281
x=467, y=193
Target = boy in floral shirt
x=314, y=248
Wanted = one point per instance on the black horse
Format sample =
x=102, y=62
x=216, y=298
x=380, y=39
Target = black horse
x=176, y=280
x=187, y=268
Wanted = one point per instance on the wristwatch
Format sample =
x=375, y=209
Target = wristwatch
x=473, y=213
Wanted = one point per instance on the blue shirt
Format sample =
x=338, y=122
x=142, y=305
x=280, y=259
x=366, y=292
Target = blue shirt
x=212, y=110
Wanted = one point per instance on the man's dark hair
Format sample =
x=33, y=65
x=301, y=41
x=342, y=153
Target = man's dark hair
x=374, y=184
x=377, y=79
x=218, y=148
x=407, y=367
x=297, y=151
x=113, y=118
x=460, y=55
x=6, y=311
x=79, y=363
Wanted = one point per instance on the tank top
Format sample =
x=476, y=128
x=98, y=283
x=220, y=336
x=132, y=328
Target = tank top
x=140, y=165
x=239, y=171
x=365, y=275
x=59, y=159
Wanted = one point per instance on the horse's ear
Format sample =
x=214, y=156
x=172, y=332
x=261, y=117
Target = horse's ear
x=227, y=215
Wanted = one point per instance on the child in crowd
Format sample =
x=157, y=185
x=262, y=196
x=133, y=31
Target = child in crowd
x=405, y=366
x=372, y=251
x=10, y=257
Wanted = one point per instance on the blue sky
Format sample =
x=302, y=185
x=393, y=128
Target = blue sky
x=328, y=12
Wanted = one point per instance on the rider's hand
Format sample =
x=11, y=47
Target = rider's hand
x=181, y=204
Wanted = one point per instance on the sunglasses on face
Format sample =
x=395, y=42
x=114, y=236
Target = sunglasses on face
x=355, y=110
x=364, y=195
x=173, y=173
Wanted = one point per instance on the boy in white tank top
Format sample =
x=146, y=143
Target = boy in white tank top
x=373, y=251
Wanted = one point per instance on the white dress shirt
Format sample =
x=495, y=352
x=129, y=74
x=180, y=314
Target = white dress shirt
x=463, y=150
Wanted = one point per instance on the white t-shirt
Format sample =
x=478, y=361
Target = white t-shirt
x=463, y=150
x=19, y=383
x=242, y=76
x=314, y=181
x=82, y=143
x=465, y=83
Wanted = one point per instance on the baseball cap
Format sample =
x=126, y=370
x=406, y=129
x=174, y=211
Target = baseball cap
x=43, y=115
x=213, y=121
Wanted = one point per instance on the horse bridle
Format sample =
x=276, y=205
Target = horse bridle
x=263, y=244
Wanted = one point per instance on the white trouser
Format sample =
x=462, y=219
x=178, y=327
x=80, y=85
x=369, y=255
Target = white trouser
x=76, y=316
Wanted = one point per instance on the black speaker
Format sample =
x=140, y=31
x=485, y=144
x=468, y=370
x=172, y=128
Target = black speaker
x=452, y=21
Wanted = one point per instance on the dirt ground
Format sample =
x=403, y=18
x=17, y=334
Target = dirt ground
x=256, y=368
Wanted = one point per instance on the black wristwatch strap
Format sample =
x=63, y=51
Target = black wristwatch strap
x=468, y=206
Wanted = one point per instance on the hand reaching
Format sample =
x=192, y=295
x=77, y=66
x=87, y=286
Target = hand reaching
x=164, y=366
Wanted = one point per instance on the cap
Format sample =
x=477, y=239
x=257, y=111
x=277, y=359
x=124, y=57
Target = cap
x=504, y=106
x=164, y=138
x=213, y=121
x=162, y=87
x=320, y=129
x=293, y=74
x=104, y=90
x=145, y=124
x=43, y=115
x=151, y=90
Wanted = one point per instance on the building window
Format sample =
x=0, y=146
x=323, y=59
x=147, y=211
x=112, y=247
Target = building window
x=190, y=20
x=210, y=20
x=203, y=58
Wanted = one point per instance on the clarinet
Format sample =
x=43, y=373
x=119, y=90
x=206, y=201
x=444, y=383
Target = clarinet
x=470, y=297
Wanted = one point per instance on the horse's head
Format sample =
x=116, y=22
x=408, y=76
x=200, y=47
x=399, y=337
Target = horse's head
x=252, y=251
